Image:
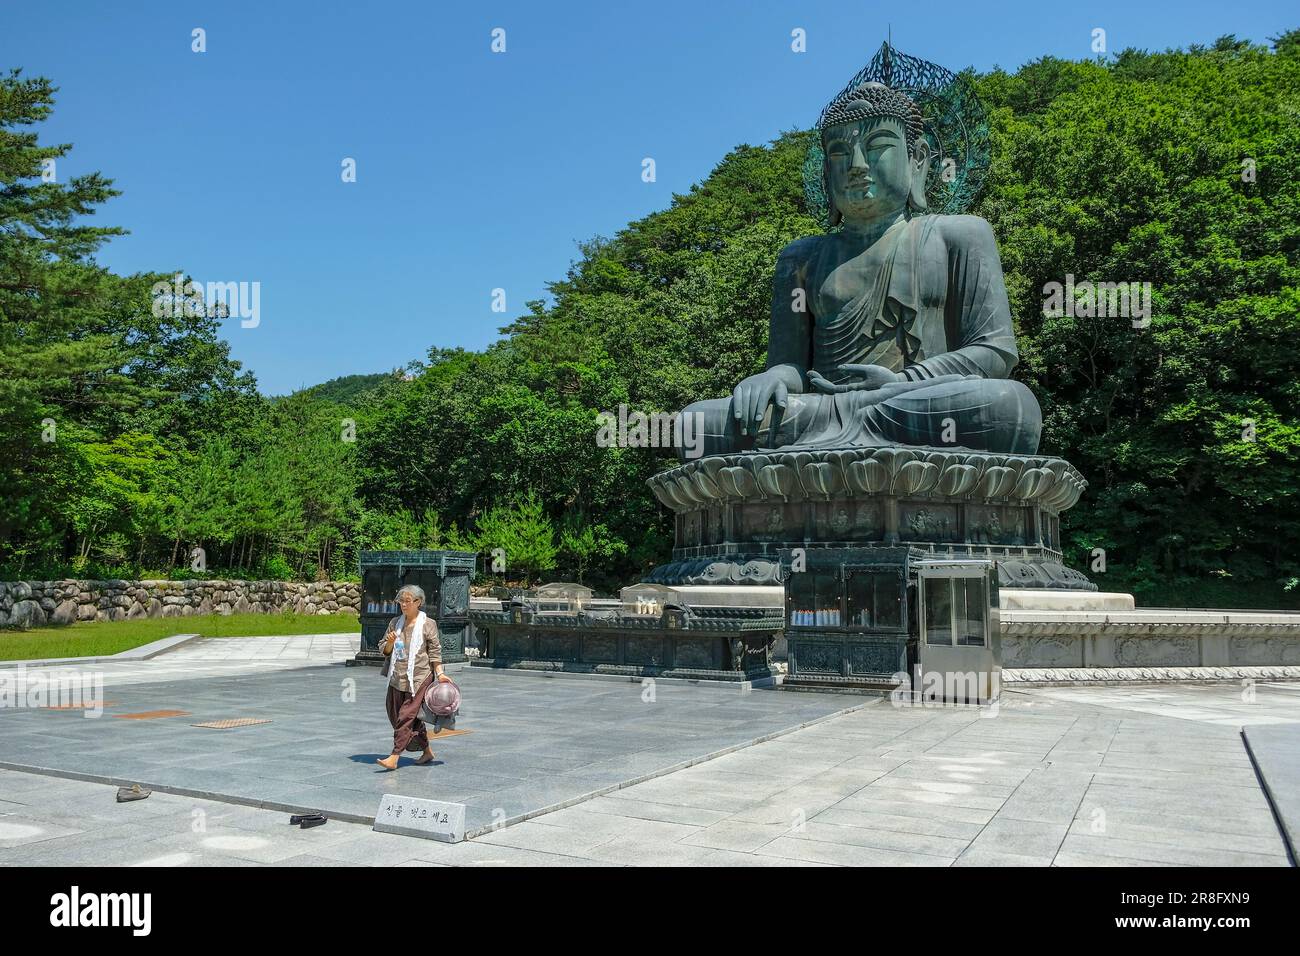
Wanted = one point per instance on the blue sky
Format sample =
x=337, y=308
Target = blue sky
x=475, y=170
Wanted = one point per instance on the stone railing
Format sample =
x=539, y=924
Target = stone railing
x=1068, y=640
x=38, y=603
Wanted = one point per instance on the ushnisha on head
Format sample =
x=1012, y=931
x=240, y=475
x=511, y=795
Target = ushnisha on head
x=410, y=598
x=876, y=156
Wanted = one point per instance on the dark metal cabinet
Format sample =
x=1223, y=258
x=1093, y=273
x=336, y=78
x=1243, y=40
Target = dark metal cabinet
x=444, y=576
x=847, y=616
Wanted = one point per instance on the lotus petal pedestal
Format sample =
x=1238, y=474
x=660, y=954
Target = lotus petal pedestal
x=737, y=514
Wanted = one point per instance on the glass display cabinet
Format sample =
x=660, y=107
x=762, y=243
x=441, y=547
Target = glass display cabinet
x=560, y=598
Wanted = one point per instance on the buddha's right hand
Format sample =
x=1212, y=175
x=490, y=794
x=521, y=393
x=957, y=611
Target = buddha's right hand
x=860, y=377
x=751, y=398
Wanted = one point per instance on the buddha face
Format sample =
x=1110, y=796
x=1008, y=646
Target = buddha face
x=869, y=172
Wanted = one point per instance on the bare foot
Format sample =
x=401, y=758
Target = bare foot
x=389, y=762
x=425, y=757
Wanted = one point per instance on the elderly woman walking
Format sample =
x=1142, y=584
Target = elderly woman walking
x=416, y=661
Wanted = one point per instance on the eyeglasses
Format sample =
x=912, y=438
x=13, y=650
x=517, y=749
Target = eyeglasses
x=408, y=600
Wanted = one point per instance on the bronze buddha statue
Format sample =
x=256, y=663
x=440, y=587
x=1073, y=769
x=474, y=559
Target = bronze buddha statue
x=893, y=330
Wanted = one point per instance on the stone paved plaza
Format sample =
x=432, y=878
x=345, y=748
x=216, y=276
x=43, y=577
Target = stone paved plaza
x=1068, y=776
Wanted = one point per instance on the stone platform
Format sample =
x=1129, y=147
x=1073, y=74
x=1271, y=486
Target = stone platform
x=1275, y=751
x=532, y=744
x=876, y=785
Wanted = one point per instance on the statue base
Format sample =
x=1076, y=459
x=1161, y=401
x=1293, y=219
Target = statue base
x=736, y=515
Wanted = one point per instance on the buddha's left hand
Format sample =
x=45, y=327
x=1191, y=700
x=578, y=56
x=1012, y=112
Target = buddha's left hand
x=867, y=376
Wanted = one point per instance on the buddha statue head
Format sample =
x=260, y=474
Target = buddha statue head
x=876, y=157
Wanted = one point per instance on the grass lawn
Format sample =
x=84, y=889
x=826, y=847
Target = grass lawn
x=95, y=639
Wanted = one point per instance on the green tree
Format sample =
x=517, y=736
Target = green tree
x=523, y=534
x=87, y=370
x=1174, y=169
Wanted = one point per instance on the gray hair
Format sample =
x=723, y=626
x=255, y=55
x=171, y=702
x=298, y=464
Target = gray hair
x=412, y=589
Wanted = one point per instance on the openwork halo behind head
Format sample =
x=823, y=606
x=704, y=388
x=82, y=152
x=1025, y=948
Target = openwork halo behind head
x=952, y=120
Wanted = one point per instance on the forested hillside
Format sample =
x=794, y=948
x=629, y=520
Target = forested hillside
x=126, y=439
x=347, y=388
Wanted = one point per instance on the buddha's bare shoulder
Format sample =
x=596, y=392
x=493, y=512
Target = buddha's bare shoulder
x=802, y=250
x=970, y=232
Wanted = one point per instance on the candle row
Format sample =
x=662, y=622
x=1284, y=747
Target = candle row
x=823, y=617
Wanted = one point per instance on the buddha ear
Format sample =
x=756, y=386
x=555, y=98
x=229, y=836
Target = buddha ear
x=920, y=169
x=832, y=214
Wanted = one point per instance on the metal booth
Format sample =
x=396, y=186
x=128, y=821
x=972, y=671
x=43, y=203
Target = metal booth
x=959, y=633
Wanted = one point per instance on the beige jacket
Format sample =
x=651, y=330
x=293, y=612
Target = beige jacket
x=427, y=650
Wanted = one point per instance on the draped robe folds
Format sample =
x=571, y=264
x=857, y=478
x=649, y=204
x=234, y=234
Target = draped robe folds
x=926, y=301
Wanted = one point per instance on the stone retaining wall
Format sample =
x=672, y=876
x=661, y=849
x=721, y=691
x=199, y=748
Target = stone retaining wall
x=38, y=603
